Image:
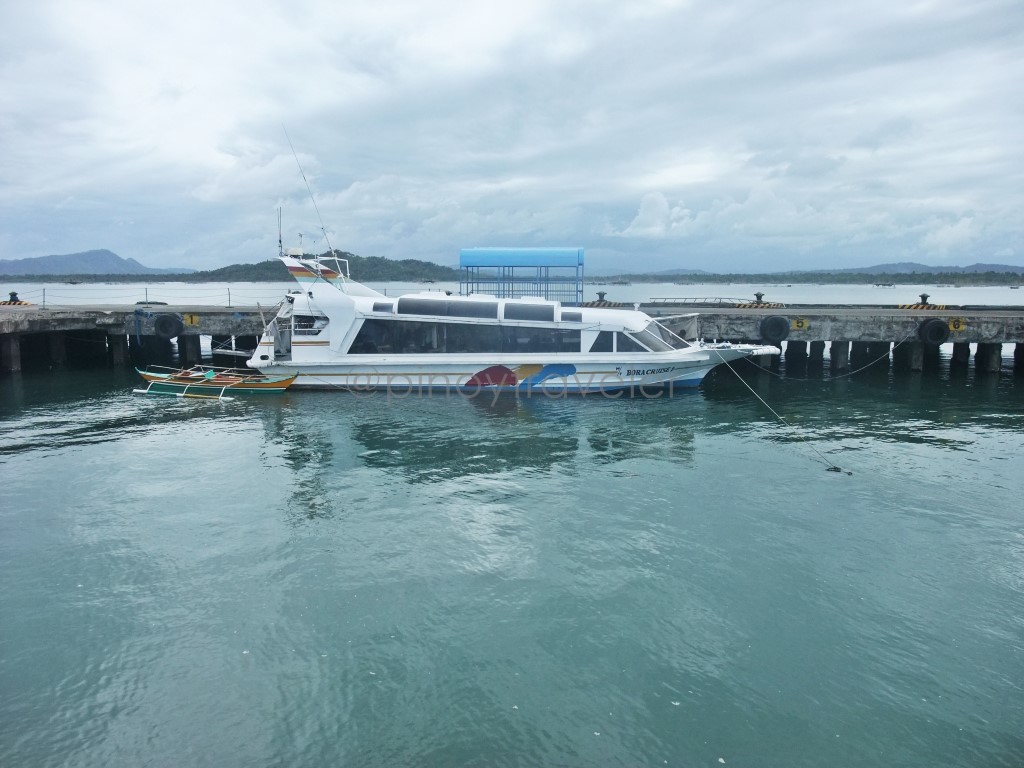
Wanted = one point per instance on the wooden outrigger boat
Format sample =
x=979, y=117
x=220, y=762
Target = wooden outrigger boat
x=209, y=382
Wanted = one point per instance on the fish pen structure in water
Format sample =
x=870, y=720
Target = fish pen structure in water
x=512, y=273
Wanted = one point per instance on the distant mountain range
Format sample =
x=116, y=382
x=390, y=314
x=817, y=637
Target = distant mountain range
x=101, y=262
x=104, y=262
x=909, y=267
x=897, y=268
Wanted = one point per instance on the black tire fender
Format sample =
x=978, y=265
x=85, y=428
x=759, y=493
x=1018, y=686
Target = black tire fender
x=168, y=326
x=775, y=328
x=933, y=331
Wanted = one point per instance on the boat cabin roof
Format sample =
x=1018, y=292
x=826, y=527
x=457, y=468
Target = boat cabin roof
x=477, y=306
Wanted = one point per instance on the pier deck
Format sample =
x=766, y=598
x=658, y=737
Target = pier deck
x=819, y=322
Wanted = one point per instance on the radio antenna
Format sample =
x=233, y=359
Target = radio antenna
x=303, y=174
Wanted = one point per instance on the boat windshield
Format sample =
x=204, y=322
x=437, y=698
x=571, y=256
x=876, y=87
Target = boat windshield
x=666, y=336
x=651, y=339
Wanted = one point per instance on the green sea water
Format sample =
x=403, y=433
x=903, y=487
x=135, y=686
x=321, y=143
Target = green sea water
x=327, y=579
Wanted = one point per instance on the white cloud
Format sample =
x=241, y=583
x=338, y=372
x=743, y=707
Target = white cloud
x=794, y=133
x=946, y=237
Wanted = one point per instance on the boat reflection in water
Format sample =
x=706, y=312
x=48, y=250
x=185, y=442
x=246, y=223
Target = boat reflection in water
x=334, y=449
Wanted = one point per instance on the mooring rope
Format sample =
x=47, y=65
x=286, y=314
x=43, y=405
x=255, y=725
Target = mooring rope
x=876, y=360
x=830, y=465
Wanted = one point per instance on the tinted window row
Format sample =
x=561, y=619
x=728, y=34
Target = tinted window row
x=485, y=309
x=414, y=337
x=488, y=309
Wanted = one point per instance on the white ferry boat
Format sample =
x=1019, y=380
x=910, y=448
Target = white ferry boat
x=336, y=333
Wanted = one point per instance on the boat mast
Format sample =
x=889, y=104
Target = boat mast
x=280, y=241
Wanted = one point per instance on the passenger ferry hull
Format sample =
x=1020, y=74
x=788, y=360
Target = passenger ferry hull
x=558, y=374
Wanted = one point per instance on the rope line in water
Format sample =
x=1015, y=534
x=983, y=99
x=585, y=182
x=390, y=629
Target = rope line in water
x=830, y=466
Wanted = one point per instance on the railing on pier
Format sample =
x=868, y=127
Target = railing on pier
x=704, y=300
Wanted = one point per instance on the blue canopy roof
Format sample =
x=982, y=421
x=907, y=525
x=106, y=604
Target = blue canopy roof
x=521, y=257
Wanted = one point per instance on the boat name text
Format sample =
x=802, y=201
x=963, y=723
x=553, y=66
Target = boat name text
x=646, y=371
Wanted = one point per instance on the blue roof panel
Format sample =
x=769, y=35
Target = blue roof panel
x=521, y=257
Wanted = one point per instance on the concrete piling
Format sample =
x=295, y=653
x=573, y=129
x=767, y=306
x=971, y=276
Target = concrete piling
x=10, y=352
x=961, y=354
x=796, y=350
x=117, y=349
x=860, y=354
x=988, y=358
x=189, y=351
x=796, y=358
x=909, y=356
x=57, y=348
x=839, y=355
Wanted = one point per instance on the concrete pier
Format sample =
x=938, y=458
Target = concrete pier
x=55, y=336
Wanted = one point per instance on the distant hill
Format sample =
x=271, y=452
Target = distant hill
x=670, y=272
x=103, y=265
x=365, y=269
x=909, y=267
x=101, y=262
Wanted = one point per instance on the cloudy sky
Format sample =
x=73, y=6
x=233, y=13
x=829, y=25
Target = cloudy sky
x=727, y=135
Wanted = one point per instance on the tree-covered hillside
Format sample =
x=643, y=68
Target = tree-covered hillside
x=365, y=269
x=374, y=269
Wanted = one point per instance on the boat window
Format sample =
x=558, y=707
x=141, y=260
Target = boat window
x=396, y=337
x=652, y=341
x=308, y=325
x=624, y=343
x=667, y=336
x=466, y=338
x=381, y=336
x=412, y=306
x=603, y=342
x=383, y=306
x=544, y=312
x=573, y=317
x=539, y=340
x=472, y=309
x=421, y=307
